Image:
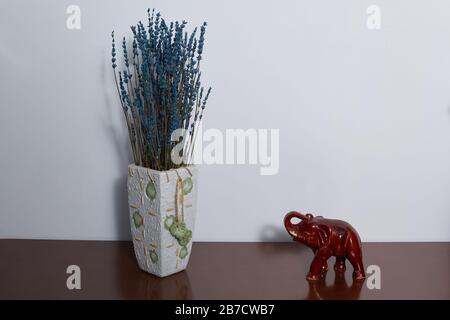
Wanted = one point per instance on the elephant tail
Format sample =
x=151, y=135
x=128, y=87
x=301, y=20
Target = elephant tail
x=288, y=217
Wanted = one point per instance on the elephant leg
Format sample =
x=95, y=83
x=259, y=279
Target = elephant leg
x=355, y=259
x=339, y=265
x=325, y=265
x=320, y=259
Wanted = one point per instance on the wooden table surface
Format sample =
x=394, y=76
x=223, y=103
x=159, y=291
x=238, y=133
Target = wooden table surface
x=36, y=269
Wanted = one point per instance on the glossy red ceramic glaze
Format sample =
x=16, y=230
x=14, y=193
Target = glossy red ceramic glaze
x=327, y=237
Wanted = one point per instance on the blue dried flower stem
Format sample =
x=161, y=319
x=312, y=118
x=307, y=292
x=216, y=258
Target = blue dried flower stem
x=134, y=105
x=124, y=107
x=195, y=122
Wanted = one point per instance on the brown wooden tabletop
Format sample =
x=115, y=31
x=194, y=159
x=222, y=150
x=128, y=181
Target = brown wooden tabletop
x=36, y=269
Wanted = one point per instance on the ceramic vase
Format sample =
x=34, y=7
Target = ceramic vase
x=162, y=215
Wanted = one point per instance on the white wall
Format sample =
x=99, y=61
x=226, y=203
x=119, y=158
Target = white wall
x=364, y=117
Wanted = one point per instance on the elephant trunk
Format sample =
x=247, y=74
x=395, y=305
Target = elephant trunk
x=290, y=227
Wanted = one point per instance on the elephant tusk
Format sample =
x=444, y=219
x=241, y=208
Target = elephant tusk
x=293, y=233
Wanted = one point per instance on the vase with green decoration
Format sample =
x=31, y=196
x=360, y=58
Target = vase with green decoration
x=163, y=100
x=162, y=212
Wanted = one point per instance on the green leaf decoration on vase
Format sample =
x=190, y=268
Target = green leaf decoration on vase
x=168, y=222
x=150, y=190
x=178, y=230
x=153, y=256
x=137, y=219
x=181, y=233
x=183, y=253
x=187, y=186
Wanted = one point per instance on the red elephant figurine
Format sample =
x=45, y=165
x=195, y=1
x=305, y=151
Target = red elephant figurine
x=327, y=237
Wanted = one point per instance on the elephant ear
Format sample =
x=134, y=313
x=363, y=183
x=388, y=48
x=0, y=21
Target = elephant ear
x=323, y=233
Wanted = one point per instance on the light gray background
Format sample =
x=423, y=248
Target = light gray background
x=364, y=117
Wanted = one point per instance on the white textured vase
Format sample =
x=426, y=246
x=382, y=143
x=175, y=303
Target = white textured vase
x=162, y=215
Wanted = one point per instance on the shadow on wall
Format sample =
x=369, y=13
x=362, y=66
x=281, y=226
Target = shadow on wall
x=272, y=233
x=119, y=141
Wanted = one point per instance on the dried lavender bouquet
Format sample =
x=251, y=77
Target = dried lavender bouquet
x=160, y=89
